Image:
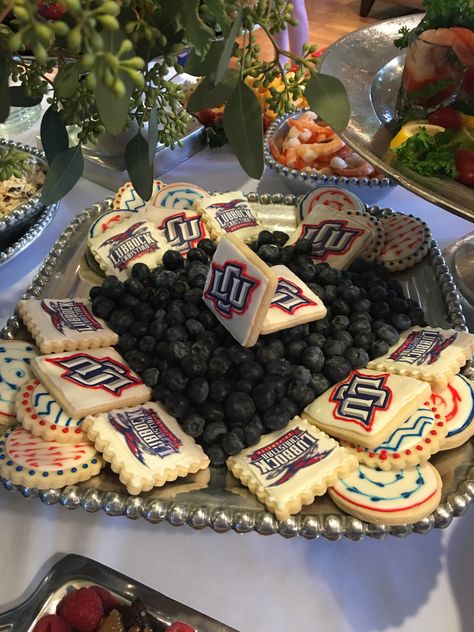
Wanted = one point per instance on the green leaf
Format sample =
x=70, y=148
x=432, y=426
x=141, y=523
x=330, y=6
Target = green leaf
x=138, y=166
x=152, y=133
x=20, y=100
x=198, y=66
x=5, y=97
x=217, y=10
x=229, y=46
x=54, y=137
x=65, y=82
x=328, y=98
x=209, y=95
x=243, y=126
x=197, y=33
x=63, y=173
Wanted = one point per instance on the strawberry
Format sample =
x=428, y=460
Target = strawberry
x=82, y=610
x=108, y=600
x=50, y=10
x=180, y=626
x=51, y=623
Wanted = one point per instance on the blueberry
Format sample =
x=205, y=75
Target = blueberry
x=361, y=305
x=278, y=384
x=157, y=328
x=417, y=316
x=197, y=254
x=141, y=272
x=340, y=322
x=175, y=380
x=322, y=326
x=287, y=255
x=232, y=443
x=216, y=454
x=364, y=340
x=202, y=350
x=253, y=430
x=336, y=368
x=177, y=350
x=213, y=432
x=289, y=405
x=175, y=316
x=179, y=288
x=306, y=272
x=378, y=348
x=263, y=396
x=341, y=306
x=330, y=294
x=332, y=348
x=160, y=298
x=197, y=390
x=304, y=246
x=357, y=356
x=147, y=344
x=377, y=293
x=191, y=311
x=297, y=391
x=134, y=287
x=294, y=350
x=121, y=320
x=398, y=305
x=361, y=326
x=343, y=336
x=176, y=333
x=95, y=292
x=301, y=373
x=197, y=274
x=103, y=307
x=194, y=327
x=219, y=390
x=127, y=342
x=280, y=368
x=252, y=371
x=401, y=321
x=138, y=360
x=139, y=328
x=269, y=253
x=112, y=287
x=380, y=309
x=193, y=425
x=265, y=237
x=244, y=385
x=239, y=406
x=267, y=354
x=160, y=393
x=193, y=297
x=319, y=383
x=143, y=311
x=316, y=340
x=193, y=367
x=161, y=278
x=279, y=238
x=361, y=316
x=150, y=376
x=350, y=293
x=312, y=358
x=208, y=245
x=327, y=276
x=207, y=319
x=219, y=367
x=276, y=417
x=389, y=334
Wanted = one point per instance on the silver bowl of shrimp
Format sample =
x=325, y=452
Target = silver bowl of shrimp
x=308, y=154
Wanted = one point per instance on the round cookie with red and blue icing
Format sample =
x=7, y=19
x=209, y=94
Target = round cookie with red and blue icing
x=456, y=402
x=391, y=497
x=128, y=199
x=15, y=370
x=33, y=462
x=40, y=413
x=335, y=197
x=178, y=196
x=407, y=241
x=419, y=437
x=107, y=220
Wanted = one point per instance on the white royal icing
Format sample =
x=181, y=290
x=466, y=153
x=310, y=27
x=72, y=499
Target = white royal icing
x=292, y=304
x=15, y=370
x=181, y=230
x=338, y=237
x=230, y=213
x=335, y=197
x=107, y=220
x=128, y=199
x=388, y=491
x=404, y=235
x=43, y=405
x=180, y=195
x=34, y=453
x=456, y=402
x=238, y=290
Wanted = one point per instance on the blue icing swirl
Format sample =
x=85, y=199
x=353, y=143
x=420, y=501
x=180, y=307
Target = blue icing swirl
x=412, y=428
x=14, y=372
x=470, y=416
x=49, y=409
x=369, y=479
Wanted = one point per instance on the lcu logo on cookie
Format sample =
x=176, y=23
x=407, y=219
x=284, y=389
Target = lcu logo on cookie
x=233, y=215
x=422, y=347
x=231, y=288
x=135, y=241
x=283, y=458
x=183, y=232
x=359, y=398
x=89, y=372
x=145, y=433
x=289, y=297
x=71, y=315
x=330, y=237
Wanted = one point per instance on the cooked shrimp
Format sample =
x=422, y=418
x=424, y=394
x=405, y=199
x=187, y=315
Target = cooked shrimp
x=362, y=171
x=460, y=39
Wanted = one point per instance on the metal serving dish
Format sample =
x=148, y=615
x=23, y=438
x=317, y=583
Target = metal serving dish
x=300, y=182
x=75, y=571
x=17, y=220
x=214, y=498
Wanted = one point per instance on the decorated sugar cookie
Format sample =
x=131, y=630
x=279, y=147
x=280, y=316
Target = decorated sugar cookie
x=335, y=197
x=40, y=413
x=230, y=213
x=130, y=241
x=88, y=382
x=128, y=199
x=367, y=406
x=239, y=289
x=338, y=237
x=389, y=497
x=181, y=230
x=64, y=324
x=417, y=439
x=293, y=304
x=286, y=469
x=178, y=196
x=407, y=241
x=15, y=370
x=107, y=220
x=456, y=402
x=33, y=462
x=145, y=446
x=428, y=353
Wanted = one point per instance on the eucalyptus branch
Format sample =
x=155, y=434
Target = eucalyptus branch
x=6, y=10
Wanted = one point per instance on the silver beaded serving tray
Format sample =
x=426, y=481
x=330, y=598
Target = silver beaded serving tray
x=214, y=498
x=74, y=572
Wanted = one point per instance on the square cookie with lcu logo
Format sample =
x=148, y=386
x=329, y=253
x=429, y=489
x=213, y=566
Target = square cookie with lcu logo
x=64, y=324
x=145, y=446
x=89, y=382
x=239, y=289
x=180, y=229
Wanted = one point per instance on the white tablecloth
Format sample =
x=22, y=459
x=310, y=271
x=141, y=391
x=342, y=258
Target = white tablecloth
x=253, y=583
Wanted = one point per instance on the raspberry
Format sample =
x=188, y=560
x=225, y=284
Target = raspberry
x=179, y=626
x=82, y=609
x=108, y=600
x=51, y=623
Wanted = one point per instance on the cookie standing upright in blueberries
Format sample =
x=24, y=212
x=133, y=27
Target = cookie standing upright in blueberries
x=456, y=402
x=407, y=241
x=15, y=371
x=239, y=289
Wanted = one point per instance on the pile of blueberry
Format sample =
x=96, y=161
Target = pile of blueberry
x=225, y=395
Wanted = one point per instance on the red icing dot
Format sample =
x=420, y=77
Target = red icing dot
x=419, y=447
x=407, y=451
x=53, y=426
x=371, y=454
x=383, y=455
x=29, y=387
x=42, y=423
x=34, y=416
x=25, y=394
x=426, y=404
x=437, y=416
x=77, y=430
x=396, y=455
x=433, y=433
x=433, y=410
x=427, y=440
x=65, y=430
x=28, y=410
x=440, y=424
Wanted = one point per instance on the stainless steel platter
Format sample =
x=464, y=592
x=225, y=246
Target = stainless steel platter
x=370, y=67
x=214, y=498
x=75, y=571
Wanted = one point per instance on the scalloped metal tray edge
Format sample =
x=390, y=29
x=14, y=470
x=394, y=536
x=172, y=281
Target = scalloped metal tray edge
x=232, y=506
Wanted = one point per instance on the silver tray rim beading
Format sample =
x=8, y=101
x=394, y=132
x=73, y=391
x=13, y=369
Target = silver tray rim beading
x=311, y=178
x=222, y=518
x=33, y=205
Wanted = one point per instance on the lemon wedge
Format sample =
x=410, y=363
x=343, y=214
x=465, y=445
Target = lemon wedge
x=467, y=120
x=410, y=129
x=465, y=137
